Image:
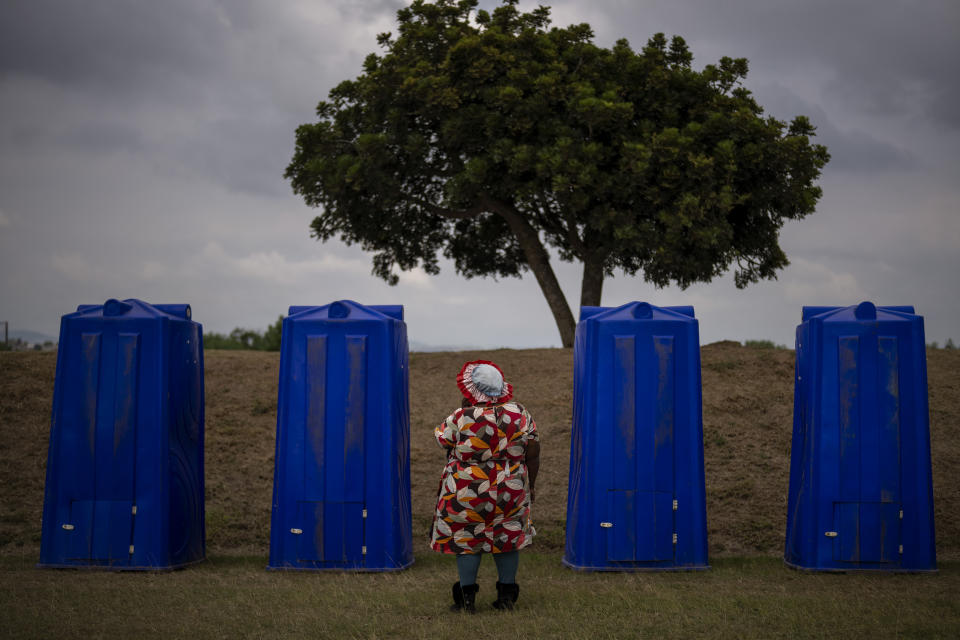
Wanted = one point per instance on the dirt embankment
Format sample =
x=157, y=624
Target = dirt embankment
x=747, y=423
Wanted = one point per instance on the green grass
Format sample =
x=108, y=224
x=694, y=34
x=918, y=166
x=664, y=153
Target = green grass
x=234, y=596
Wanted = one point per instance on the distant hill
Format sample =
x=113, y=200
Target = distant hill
x=34, y=337
x=423, y=347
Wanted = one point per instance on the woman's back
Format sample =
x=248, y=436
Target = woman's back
x=481, y=433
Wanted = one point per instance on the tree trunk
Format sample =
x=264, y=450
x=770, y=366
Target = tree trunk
x=591, y=287
x=539, y=262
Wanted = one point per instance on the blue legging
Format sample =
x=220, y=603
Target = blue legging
x=468, y=564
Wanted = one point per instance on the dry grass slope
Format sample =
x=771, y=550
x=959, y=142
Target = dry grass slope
x=747, y=416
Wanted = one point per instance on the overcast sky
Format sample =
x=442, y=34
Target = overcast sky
x=142, y=147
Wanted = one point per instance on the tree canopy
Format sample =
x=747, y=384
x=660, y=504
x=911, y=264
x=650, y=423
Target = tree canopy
x=487, y=137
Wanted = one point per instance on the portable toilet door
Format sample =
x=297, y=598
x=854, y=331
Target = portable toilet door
x=342, y=465
x=636, y=496
x=860, y=495
x=124, y=486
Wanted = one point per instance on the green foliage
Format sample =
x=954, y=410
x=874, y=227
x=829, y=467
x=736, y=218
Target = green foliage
x=462, y=134
x=271, y=337
x=763, y=344
x=948, y=345
x=239, y=338
x=214, y=340
x=15, y=344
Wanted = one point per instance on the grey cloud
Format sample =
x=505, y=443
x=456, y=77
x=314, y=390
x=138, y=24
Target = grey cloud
x=945, y=105
x=370, y=9
x=109, y=45
x=887, y=59
x=212, y=88
x=240, y=153
x=899, y=61
x=857, y=151
x=183, y=51
x=851, y=149
x=100, y=138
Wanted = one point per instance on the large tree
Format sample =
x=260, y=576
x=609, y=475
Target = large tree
x=489, y=137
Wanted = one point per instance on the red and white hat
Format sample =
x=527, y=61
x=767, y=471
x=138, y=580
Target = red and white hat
x=482, y=381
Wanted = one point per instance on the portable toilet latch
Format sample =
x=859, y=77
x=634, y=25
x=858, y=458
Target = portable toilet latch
x=830, y=534
x=68, y=527
x=296, y=531
x=901, y=514
x=133, y=510
x=674, y=538
x=606, y=525
x=364, y=513
x=363, y=550
x=131, y=549
x=675, y=505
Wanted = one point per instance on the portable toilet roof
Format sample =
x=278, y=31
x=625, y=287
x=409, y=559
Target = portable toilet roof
x=860, y=495
x=341, y=492
x=124, y=486
x=636, y=497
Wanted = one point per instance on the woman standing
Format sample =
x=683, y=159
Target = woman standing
x=487, y=485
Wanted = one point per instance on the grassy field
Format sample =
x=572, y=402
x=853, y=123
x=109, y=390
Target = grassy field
x=234, y=597
x=747, y=418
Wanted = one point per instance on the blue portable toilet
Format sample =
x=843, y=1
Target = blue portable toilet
x=125, y=465
x=341, y=484
x=636, y=497
x=861, y=495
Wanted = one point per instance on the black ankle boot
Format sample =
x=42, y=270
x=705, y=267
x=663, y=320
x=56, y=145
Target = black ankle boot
x=464, y=598
x=507, y=594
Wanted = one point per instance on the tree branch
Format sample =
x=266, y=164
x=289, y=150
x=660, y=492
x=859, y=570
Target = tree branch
x=573, y=237
x=539, y=262
x=462, y=214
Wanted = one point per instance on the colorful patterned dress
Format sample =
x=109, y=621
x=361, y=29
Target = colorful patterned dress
x=483, y=503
